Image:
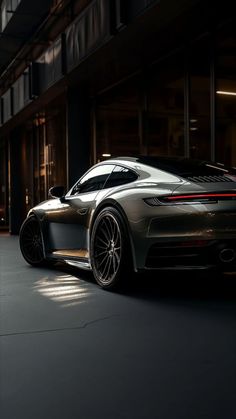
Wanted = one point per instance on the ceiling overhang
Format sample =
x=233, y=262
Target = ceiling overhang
x=24, y=21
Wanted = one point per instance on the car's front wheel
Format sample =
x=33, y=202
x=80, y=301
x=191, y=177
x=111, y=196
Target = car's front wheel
x=108, y=249
x=31, y=243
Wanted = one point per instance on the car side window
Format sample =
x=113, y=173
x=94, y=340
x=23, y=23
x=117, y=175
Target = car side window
x=120, y=176
x=93, y=180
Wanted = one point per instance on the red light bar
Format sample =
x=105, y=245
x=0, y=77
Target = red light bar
x=200, y=196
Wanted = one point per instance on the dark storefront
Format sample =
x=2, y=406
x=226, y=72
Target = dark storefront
x=119, y=78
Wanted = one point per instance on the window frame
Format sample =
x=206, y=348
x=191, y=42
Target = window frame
x=123, y=167
x=71, y=191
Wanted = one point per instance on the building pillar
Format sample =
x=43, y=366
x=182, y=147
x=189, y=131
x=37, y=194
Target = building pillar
x=78, y=134
x=16, y=190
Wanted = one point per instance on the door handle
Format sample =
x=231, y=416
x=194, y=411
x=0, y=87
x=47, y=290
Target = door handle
x=82, y=211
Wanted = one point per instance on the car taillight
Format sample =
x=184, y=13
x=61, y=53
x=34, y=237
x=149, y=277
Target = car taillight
x=190, y=198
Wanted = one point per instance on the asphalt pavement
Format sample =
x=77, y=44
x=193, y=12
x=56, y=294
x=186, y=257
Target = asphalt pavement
x=162, y=348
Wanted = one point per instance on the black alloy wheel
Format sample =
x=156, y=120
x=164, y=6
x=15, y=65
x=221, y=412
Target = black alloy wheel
x=31, y=243
x=109, y=245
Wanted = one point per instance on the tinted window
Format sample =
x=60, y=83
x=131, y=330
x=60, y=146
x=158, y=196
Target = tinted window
x=120, y=176
x=93, y=180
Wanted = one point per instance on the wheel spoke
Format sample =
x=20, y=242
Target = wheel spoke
x=98, y=254
x=38, y=251
x=116, y=234
x=102, y=241
x=115, y=264
x=104, y=232
x=28, y=245
x=112, y=227
x=108, y=225
x=100, y=262
x=106, y=269
x=116, y=237
x=117, y=257
x=31, y=229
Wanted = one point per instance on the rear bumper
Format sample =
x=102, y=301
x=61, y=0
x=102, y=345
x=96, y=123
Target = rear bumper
x=195, y=254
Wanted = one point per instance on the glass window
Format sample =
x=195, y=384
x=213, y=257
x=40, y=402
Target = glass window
x=49, y=149
x=93, y=180
x=120, y=176
x=39, y=138
x=14, y=4
x=226, y=96
x=118, y=121
x=3, y=186
x=3, y=15
x=55, y=145
x=200, y=129
x=165, y=109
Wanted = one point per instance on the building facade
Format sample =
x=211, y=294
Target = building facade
x=83, y=80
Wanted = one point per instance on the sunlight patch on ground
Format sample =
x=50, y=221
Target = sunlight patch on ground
x=64, y=289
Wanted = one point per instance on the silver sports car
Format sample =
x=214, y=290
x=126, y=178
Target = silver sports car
x=141, y=213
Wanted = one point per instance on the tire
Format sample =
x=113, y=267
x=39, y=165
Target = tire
x=31, y=242
x=108, y=249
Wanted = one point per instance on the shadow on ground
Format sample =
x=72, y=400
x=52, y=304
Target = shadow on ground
x=179, y=287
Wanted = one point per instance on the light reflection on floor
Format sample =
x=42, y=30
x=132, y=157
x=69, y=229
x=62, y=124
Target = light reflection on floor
x=64, y=289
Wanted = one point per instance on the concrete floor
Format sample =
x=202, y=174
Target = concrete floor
x=160, y=350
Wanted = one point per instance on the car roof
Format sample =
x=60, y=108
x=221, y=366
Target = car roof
x=180, y=166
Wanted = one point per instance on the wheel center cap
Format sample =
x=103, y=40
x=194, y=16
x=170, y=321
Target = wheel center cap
x=111, y=248
x=36, y=240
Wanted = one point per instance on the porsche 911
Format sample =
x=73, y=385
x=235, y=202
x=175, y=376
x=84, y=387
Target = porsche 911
x=137, y=213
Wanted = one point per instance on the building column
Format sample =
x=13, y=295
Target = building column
x=78, y=134
x=16, y=189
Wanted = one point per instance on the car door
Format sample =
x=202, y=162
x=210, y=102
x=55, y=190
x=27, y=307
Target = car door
x=68, y=222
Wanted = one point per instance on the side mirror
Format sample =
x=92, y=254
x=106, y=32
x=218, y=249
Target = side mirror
x=56, y=192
